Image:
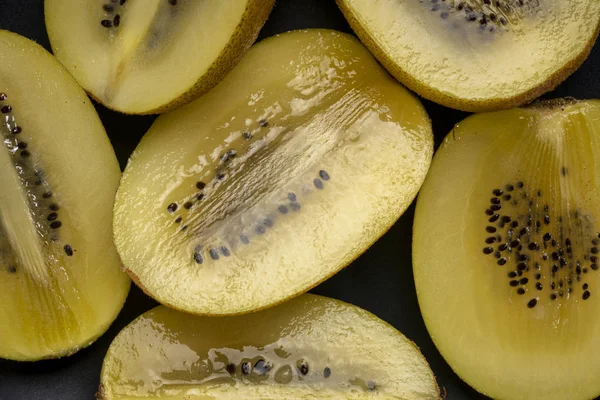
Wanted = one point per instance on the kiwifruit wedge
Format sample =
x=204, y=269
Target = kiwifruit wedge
x=283, y=174
x=312, y=347
x=149, y=56
x=506, y=251
x=477, y=55
x=61, y=284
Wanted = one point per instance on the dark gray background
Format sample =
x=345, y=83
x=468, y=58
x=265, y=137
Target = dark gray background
x=380, y=281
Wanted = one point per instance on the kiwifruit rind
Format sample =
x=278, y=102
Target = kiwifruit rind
x=149, y=56
x=60, y=279
x=310, y=347
x=505, y=251
x=477, y=55
x=273, y=181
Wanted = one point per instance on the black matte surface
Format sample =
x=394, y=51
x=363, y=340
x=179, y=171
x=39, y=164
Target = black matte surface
x=380, y=281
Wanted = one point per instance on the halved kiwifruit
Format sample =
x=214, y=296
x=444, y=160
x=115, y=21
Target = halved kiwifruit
x=60, y=279
x=272, y=182
x=311, y=347
x=506, y=244
x=148, y=56
x=477, y=55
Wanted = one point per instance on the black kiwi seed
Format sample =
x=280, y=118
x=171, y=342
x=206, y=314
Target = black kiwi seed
x=178, y=220
x=261, y=367
x=198, y=257
x=68, y=250
x=230, y=368
x=6, y=109
x=213, y=254
x=497, y=192
x=244, y=239
x=247, y=135
x=539, y=286
x=495, y=200
x=246, y=367
x=260, y=230
x=220, y=176
x=512, y=274
x=585, y=286
x=488, y=250
x=318, y=183
x=593, y=266
x=16, y=130
x=108, y=8
x=200, y=196
x=502, y=261
x=106, y=23
x=514, y=283
x=594, y=250
x=117, y=20
x=55, y=224
x=490, y=240
x=22, y=145
x=295, y=206
x=225, y=251
x=52, y=216
x=200, y=185
x=172, y=207
x=327, y=372
x=283, y=209
x=3, y=96
x=494, y=218
x=25, y=153
x=586, y=295
x=268, y=222
x=371, y=385
x=489, y=212
x=503, y=247
x=524, y=281
x=263, y=123
x=292, y=197
x=12, y=269
x=303, y=368
x=521, y=291
x=495, y=207
x=53, y=207
x=532, y=303
x=188, y=205
x=47, y=195
x=229, y=155
x=324, y=175
x=490, y=229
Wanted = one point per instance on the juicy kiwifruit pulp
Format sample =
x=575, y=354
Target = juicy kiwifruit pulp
x=144, y=56
x=506, y=248
x=311, y=347
x=273, y=181
x=477, y=55
x=60, y=278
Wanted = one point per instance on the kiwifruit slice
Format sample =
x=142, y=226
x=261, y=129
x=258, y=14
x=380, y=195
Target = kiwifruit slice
x=148, y=56
x=312, y=347
x=273, y=181
x=506, y=251
x=60, y=279
x=477, y=55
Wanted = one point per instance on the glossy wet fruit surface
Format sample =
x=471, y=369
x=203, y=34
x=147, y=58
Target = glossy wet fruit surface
x=311, y=347
x=477, y=55
x=506, y=247
x=61, y=283
x=148, y=56
x=273, y=181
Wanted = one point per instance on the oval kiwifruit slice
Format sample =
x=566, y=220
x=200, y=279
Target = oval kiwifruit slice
x=148, y=56
x=60, y=280
x=273, y=181
x=311, y=347
x=506, y=251
x=477, y=55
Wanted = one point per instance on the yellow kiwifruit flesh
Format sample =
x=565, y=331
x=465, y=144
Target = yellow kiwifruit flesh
x=506, y=251
x=310, y=347
x=61, y=283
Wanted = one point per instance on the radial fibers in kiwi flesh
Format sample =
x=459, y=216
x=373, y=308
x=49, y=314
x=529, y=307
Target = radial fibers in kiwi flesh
x=311, y=347
x=477, y=55
x=506, y=247
x=60, y=279
x=272, y=182
x=148, y=56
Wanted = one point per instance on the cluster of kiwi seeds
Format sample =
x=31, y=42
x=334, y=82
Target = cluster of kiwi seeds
x=488, y=15
x=39, y=193
x=112, y=18
x=261, y=368
x=291, y=204
x=539, y=249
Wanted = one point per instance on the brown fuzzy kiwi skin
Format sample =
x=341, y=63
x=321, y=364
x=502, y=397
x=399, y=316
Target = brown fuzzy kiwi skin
x=447, y=100
x=254, y=17
x=101, y=392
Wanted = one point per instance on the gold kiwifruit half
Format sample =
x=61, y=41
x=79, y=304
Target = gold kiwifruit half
x=477, y=55
x=149, y=56
x=506, y=247
x=311, y=347
x=283, y=174
x=61, y=283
